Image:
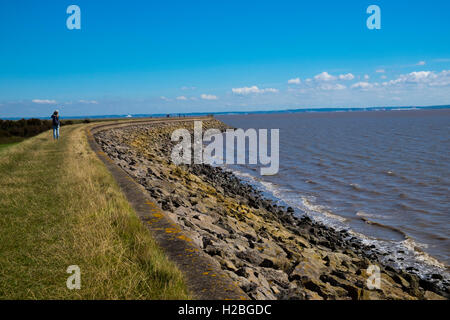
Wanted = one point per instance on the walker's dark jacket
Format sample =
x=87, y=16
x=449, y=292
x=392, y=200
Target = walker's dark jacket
x=55, y=120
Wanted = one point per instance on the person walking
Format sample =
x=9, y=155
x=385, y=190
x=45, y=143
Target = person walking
x=56, y=124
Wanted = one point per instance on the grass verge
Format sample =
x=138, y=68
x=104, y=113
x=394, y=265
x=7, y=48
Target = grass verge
x=6, y=145
x=59, y=206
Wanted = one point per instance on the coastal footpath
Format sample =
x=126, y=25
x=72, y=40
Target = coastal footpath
x=60, y=207
x=265, y=249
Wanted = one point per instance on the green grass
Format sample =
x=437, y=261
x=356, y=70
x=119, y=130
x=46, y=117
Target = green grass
x=59, y=206
x=6, y=145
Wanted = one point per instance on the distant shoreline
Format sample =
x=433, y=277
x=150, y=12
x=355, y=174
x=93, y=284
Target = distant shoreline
x=305, y=110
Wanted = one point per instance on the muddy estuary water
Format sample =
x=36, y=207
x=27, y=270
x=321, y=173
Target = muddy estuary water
x=383, y=174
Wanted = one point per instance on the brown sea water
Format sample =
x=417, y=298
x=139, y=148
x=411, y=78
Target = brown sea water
x=385, y=175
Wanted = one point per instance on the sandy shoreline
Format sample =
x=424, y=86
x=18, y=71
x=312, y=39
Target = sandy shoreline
x=267, y=251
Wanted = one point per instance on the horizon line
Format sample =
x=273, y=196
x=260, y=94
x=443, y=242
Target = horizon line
x=298, y=110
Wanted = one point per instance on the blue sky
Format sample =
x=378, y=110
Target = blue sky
x=197, y=56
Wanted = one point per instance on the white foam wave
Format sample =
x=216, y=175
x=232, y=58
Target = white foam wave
x=369, y=215
x=417, y=249
x=312, y=207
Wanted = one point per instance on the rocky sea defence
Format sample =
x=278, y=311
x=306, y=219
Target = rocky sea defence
x=269, y=251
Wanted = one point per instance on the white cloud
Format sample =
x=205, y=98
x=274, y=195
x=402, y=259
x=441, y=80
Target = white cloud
x=413, y=77
x=423, y=78
x=336, y=86
x=44, y=101
x=421, y=63
x=208, y=97
x=380, y=71
x=188, y=88
x=366, y=77
x=362, y=85
x=88, y=101
x=347, y=76
x=324, y=76
x=246, y=90
x=271, y=90
x=181, y=98
x=419, y=76
x=252, y=89
x=164, y=98
x=383, y=77
x=294, y=81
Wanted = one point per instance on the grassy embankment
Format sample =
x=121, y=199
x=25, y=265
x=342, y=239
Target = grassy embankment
x=6, y=145
x=59, y=206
